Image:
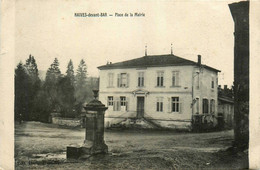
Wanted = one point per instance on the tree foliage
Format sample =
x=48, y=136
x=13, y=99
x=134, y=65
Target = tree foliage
x=81, y=86
x=66, y=94
x=50, y=86
x=22, y=86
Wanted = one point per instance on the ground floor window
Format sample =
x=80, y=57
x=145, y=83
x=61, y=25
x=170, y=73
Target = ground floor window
x=205, y=106
x=159, y=104
x=118, y=103
x=175, y=104
x=123, y=101
x=110, y=101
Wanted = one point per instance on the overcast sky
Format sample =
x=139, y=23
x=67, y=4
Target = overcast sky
x=48, y=29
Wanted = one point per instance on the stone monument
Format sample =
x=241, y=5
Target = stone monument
x=94, y=136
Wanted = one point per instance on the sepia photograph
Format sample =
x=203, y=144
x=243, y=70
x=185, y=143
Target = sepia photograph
x=131, y=85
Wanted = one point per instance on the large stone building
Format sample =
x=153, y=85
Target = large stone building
x=166, y=89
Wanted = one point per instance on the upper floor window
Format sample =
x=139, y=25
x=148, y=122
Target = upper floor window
x=175, y=78
x=160, y=76
x=175, y=104
x=123, y=80
x=212, y=83
x=159, y=104
x=110, y=79
x=205, y=106
x=198, y=81
x=110, y=101
x=140, y=79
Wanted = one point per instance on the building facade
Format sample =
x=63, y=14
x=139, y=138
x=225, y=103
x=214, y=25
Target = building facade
x=166, y=89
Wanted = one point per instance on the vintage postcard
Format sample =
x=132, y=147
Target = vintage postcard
x=130, y=84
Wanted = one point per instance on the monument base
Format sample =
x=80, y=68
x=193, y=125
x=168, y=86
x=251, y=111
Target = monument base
x=86, y=150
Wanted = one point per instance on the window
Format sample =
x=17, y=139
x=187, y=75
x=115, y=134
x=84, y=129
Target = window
x=140, y=79
x=110, y=79
x=212, y=83
x=123, y=80
x=123, y=101
x=175, y=104
x=198, y=81
x=175, y=78
x=160, y=79
x=159, y=104
x=205, y=106
x=110, y=101
x=212, y=106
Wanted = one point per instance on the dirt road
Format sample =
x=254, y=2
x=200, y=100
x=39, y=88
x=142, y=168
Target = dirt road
x=43, y=146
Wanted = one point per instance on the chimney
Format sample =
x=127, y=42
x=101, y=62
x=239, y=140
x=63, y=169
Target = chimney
x=225, y=87
x=199, y=59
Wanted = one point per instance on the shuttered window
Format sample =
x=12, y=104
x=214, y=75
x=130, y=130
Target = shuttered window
x=110, y=79
x=123, y=80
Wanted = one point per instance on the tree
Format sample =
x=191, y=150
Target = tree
x=66, y=97
x=53, y=75
x=22, y=86
x=32, y=71
x=81, y=85
x=70, y=72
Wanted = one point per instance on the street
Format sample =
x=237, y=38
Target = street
x=43, y=146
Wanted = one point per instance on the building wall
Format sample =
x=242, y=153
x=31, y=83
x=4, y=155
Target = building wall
x=205, y=90
x=227, y=110
x=187, y=79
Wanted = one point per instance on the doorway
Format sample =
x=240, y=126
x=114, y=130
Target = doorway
x=140, y=107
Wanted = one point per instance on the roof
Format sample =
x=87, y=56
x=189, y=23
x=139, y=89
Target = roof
x=226, y=99
x=153, y=61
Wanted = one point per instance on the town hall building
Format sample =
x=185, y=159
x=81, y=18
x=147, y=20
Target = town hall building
x=166, y=89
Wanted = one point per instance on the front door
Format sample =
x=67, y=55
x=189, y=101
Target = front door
x=140, y=107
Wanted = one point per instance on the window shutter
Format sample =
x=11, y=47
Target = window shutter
x=169, y=105
x=118, y=106
x=106, y=98
x=127, y=104
x=180, y=105
x=118, y=80
x=127, y=80
x=114, y=105
x=177, y=78
x=112, y=81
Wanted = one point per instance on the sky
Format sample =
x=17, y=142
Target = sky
x=49, y=29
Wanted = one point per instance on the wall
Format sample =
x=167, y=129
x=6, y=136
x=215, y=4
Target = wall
x=205, y=91
x=66, y=121
x=227, y=110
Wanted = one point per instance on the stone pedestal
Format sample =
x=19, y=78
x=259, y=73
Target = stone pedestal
x=94, y=136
